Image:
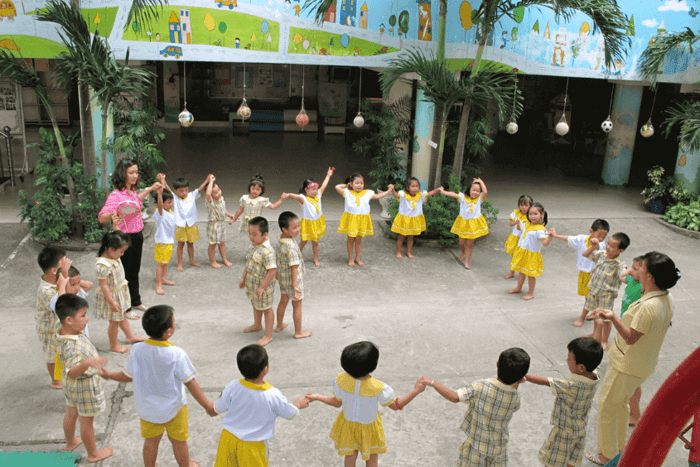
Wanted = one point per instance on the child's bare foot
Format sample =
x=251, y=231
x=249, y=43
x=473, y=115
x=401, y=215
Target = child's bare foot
x=360, y=263
x=192, y=463
x=215, y=265
x=578, y=323
x=633, y=421
x=466, y=265
x=253, y=328
x=317, y=263
x=180, y=268
x=159, y=290
x=227, y=263
x=264, y=341
x=588, y=335
x=135, y=340
x=527, y=297
x=351, y=263
x=56, y=384
x=119, y=348
x=76, y=442
x=398, y=255
x=195, y=263
x=515, y=290
x=302, y=334
x=509, y=276
x=410, y=256
x=461, y=257
x=280, y=327
x=605, y=345
x=590, y=316
x=167, y=282
x=100, y=454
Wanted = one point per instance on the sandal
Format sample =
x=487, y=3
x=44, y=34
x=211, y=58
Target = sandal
x=593, y=457
x=132, y=315
x=141, y=307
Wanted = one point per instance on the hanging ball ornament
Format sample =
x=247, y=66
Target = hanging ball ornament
x=607, y=125
x=185, y=118
x=302, y=119
x=562, y=128
x=243, y=111
x=359, y=121
x=512, y=128
x=647, y=130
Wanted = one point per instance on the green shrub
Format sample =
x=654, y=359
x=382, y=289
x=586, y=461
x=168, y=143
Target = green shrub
x=684, y=215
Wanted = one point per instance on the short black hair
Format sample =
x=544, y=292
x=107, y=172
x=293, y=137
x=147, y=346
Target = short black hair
x=623, y=239
x=525, y=199
x=48, y=258
x=252, y=360
x=167, y=194
x=305, y=184
x=587, y=352
x=261, y=223
x=359, y=359
x=285, y=218
x=114, y=239
x=156, y=320
x=352, y=178
x=180, y=183
x=599, y=224
x=513, y=365
x=72, y=272
x=662, y=269
x=257, y=180
x=68, y=305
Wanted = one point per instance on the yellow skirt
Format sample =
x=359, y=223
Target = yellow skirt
x=355, y=225
x=355, y=436
x=313, y=230
x=511, y=243
x=404, y=225
x=527, y=262
x=470, y=228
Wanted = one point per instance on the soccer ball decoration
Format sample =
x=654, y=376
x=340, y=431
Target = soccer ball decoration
x=359, y=121
x=607, y=125
x=185, y=118
x=562, y=128
x=302, y=119
x=512, y=128
x=647, y=129
x=243, y=111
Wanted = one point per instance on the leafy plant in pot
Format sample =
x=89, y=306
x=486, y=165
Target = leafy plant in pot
x=662, y=191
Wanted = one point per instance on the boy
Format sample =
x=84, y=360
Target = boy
x=81, y=382
x=160, y=371
x=290, y=273
x=165, y=237
x=216, y=230
x=599, y=230
x=491, y=404
x=50, y=260
x=259, y=277
x=251, y=407
x=574, y=397
x=605, y=277
x=185, y=210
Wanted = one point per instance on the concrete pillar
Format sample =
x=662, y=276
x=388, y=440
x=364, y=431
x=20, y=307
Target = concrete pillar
x=425, y=115
x=96, y=110
x=687, y=172
x=625, y=116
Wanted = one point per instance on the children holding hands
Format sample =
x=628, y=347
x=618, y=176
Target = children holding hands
x=410, y=220
x=527, y=258
x=216, y=230
x=165, y=237
x=252, y=204
x=470, y=224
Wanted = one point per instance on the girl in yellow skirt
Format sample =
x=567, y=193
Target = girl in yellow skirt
x=356, y=221
x=313, y=224
x=527, y=258
x=518, y=215
x=410, y=220
x=358, y=428
x=470, y=223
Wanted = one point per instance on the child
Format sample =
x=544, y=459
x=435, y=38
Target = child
x=356, y=221
x=216, y=231
x=520, y=214
x=410, y=220
x=251, y=406
x=259, y=277
x=470, y=224
x=81, y=382
x=112, y=298
x=599, y=230
x=574, y=397
x=527, y=259
x=491, y=404
x=185, y=210
x=358, y=428
x=165, y=237
x=605, y=277
x=313, y=224
x=50, y=260
x=290, y=273
x=160, y=371
x=252, y=204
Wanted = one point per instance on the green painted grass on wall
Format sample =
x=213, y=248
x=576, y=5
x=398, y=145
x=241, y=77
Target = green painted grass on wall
x=320, y=41
x=31, y=46
x=101, y=19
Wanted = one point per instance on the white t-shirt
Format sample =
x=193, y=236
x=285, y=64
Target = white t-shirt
x=351, y=206
x=465, y=207
x=159, y=370
x=309, y=210
x=580, y=243
x=361, y=397
x=185, y=210
x=406, y=206
x=165, y=232
x=251, y=409
x=531, y=239
x=54, y=299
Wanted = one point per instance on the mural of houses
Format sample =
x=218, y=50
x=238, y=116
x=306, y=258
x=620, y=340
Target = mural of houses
x=348, y=11
x=186, y=26
x=175, y=28
x=425, y=25
x=363, y=16
x=329, y=17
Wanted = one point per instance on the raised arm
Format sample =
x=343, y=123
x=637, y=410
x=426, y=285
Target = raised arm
x=295, y=196
x=204, y=183
x=383, y=194
x=329, y=173
x=160, y=201
x=535, y=379
x=394, y=192
x=143, y=193
x=484, y=191
x=210, y=187
x=401, y=402
x=340, y=187
x=161, y=178
x=451, y=194
x=433, y=192
x=553, y=233
x=277, y=203
x=445, y=392
x=594, y=246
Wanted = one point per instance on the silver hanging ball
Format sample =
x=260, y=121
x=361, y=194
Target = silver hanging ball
x=359, y=121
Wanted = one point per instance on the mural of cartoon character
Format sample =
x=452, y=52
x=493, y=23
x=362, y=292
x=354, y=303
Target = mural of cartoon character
x=559, y=47
x=7, y=10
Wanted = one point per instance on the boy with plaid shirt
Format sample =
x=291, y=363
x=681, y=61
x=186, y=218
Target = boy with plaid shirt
x=216, y=230
x=259, y=277
x=491, y=404
x=290, y=273
x=574, y=397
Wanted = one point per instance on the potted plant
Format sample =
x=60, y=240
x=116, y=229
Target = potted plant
x=662, y=191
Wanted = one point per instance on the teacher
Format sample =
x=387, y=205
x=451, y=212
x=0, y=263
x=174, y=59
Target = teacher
x=125, y=180
x=634, y=353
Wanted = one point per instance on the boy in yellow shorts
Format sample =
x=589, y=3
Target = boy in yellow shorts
x=160, y=371
x=165, y=237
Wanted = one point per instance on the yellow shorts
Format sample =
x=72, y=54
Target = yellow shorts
x=233, y=452
x=163, y=253
x=189, y=234
x=177, y=427
x=583, y=278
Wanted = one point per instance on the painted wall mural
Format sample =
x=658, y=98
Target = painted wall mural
x=363, y=32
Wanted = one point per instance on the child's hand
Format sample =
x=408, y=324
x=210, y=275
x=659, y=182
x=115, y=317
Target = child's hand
x=86, y=285
x=297, y=293
x=260, y=292
x=96, y=362
x=302, y=403
x=157, y=186
x=390, y=187
x=420, y=387
x=241, y=283
x=211, y=178
x=310, y=396
x=116, y=220
x=61, y=281
x=425, y=381
x=64, y=264
x=210, y=409
x=231, y=219
x=103, y=372
x=330, y=171
x=441, y=189
x=161, y=178
x=601, y=313
x=594, y=242
x=114, y=306
x=552, y=232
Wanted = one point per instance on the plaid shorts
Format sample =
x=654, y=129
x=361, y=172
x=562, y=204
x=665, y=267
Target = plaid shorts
x=189, y=234
x=604, y=301
x=562, y=448
x=85, y=395
x=47, y=336
x=216, y=232
x=265, y=301
x=287, y=288
x=471, y=457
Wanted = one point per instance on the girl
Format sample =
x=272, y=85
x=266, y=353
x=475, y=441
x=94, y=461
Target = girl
x=358, y=428
x=356, y=221
x=313, y=224
x=470, y=223
x=520, y=214
x=527, y=259
x=112, y=298
x=410, y=220
x=252, y=204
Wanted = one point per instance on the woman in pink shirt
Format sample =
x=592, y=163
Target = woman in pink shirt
x=125, y=179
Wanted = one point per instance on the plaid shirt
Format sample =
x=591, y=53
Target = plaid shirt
x=258, y=259
x=85, y=391
x=288, y=255
x=573, y=403
x=605, y=277
x=47, y=322
x=490, y=406
x=216, y=210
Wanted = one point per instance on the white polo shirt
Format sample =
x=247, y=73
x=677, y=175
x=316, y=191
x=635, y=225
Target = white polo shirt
x=165, y=232
x=351, y=205
x=580, y=242
x=159, y=370
x=185, y=210
x=251, y=409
